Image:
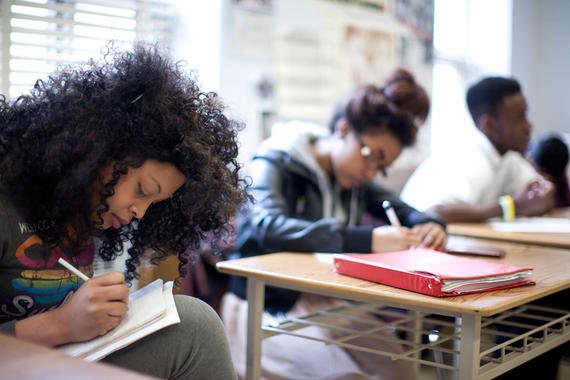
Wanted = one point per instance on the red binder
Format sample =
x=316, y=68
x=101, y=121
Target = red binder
x=432, y=272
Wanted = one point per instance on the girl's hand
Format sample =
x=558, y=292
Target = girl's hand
x=97, y=307
x=431, y=235
x=390, y=238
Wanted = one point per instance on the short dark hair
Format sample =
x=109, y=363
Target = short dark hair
x=550, y=154
x=484, y=96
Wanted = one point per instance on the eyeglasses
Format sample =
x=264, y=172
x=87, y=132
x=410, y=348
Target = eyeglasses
x=374, y=162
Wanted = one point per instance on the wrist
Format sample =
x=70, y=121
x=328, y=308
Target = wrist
x=508, y=208
x=46, y=329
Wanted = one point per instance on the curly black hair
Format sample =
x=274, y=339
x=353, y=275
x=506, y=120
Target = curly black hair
x=123, y=110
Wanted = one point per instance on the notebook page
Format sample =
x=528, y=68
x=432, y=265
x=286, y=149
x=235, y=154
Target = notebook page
x=168, y=318
x=145, y=305
x=484, y=283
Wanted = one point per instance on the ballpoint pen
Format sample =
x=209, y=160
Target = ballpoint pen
x=392, y=217
x=72, y=269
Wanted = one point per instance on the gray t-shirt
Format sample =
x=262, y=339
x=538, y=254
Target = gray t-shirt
x=31, y=279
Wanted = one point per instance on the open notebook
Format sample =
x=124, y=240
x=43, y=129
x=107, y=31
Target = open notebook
x=150, y=309
x=431, y=272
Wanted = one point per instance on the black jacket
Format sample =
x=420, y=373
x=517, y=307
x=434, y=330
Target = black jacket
x=288, y=216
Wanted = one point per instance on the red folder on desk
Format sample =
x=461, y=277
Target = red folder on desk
x=432, y=272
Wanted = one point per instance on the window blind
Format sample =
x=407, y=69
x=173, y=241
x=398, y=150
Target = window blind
x=39, y=35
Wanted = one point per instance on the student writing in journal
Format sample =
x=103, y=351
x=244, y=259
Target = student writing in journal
x=311, y=188
x=404, y=93
x=128, y=149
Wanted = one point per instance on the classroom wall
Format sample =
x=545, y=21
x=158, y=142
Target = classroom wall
x=211, y=43
x=228, y=51
x=246, y=56
x=293, y=45
x=541, y=60
x=197, y=39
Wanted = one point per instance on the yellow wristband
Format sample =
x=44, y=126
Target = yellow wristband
x=508, y=207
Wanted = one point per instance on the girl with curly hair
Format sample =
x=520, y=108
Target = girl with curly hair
x=130, y=150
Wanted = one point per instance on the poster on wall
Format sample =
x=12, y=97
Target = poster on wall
x=381, y=5
x=255, y=5
x=372, y=54
x=324, y=48
x=418, y=16
x=252, y=29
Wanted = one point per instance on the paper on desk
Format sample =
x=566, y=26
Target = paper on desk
x=326, y=258
x=534, y=224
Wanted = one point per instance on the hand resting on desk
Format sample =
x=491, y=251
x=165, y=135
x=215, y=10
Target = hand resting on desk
x=536, y=198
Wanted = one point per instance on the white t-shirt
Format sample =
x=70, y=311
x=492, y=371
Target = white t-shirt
x=473, y=173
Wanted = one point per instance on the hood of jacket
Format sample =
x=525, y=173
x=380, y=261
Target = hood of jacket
x=296, y=139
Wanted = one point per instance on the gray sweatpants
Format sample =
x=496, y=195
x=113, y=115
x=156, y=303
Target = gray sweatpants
x=196, y=348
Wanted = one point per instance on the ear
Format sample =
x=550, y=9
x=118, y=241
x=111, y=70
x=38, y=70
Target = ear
x=486, y=124
x=343, y=128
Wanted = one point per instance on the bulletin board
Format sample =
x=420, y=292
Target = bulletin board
x=340, y=44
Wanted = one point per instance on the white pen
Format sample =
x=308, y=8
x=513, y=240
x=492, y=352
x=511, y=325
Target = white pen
x=73, y=269
x=392, y=217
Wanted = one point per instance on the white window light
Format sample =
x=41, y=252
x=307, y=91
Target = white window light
x=39, y=35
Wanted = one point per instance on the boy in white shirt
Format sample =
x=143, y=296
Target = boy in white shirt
x=486, y=175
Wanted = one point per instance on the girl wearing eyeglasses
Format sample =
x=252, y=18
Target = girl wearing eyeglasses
x=314, y=192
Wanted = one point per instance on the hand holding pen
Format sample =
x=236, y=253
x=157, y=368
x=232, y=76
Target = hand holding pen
x=97, y=306
x=393, y=237
x=429, y=234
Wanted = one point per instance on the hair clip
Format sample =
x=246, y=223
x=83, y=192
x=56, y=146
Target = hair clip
x=137, y=98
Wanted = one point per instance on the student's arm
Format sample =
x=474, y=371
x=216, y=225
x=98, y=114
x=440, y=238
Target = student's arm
x=393, y=238
x=273, y=222
x=424, y=230
x=535, y=199
x=466, y=213
x=408, y=215
x=97, y=307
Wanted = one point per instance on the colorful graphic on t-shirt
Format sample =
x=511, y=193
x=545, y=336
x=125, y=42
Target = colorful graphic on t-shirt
x=46, y=282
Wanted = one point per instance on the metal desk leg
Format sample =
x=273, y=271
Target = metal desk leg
x=468, y=361
x=417, y=338
x=255, y=300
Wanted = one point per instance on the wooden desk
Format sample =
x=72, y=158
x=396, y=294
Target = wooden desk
x=476, y=314
x=485, y=231
x=24, y=360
